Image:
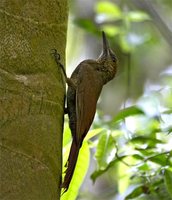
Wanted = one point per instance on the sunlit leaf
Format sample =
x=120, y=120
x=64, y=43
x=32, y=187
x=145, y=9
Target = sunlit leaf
x=137, y=16
x=111, y=30
x=66, y=135
x=144, y=167
x=104, y=152
x=93, y=133
x=168, y=181
x=79, y=173
x=127, y=112
x=66, y=150
x=123, y=177
x=108, y=8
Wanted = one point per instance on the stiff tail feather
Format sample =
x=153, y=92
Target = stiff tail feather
x=71, y=163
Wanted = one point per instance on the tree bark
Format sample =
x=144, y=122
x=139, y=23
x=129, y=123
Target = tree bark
x=32, y=92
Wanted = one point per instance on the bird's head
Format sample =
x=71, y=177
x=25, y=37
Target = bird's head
x=108, y=58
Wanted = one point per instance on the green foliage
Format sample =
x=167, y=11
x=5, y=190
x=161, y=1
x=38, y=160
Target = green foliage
x=82, y=162
x=130, y=111
x=109, y=9
x=115, y=21
x=137, y=16
x=80, y=170
x=144, y=153
x=86, y=24
x=137, y=191
x=134, y=147
x=104, y=148
x=168, y=180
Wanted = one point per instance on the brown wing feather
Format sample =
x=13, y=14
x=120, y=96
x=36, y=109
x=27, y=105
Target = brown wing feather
x=87, y=94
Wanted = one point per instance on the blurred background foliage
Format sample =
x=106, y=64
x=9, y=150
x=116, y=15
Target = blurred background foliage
x=131, y=137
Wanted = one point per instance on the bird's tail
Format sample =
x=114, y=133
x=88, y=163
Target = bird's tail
x=71, y=163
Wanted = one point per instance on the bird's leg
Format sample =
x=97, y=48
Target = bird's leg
x=66, y=111
x=57, y=59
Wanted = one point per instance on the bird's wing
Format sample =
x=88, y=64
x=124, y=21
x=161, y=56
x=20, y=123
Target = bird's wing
x=87, y=94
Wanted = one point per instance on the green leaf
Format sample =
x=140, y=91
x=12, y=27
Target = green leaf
x=86, y=24
x=111, y=30
x=169, y=111
x=137, y=16
x=136, y=192
x=168, y=181
x=105, y=153
x=150, y=141
x=108, y=8
x=169, y=130
x=127, y=112
x=123, y=174
x=99, y=172
x=144, y=167
x=145, y=151
x=159, y=159
x=79, y=173
x=93, y=133
x=66, y=135
x=137, y=157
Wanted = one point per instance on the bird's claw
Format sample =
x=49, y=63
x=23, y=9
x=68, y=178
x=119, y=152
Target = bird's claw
x=55, y=54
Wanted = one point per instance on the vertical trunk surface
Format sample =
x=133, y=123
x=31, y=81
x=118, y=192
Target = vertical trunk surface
x=32, y=93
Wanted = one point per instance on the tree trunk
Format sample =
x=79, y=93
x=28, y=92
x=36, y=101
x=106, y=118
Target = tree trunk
x=32, y=92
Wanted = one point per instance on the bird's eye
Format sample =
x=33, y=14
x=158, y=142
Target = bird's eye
x=113, y=58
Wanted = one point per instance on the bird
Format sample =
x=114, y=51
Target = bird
x=84, y=88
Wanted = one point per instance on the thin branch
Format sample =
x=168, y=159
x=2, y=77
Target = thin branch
x=144, y=160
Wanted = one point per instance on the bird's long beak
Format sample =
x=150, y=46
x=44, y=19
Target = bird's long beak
x=107, y=52
x=105, y=44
